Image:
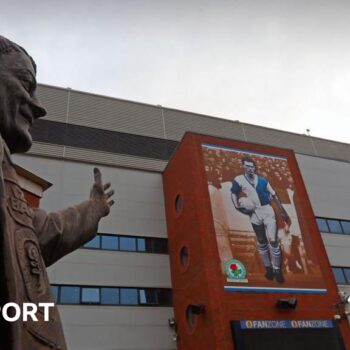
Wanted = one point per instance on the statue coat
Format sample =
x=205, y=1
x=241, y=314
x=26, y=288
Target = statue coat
x=30, y=241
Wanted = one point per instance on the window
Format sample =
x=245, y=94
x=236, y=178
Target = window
x=346, y=226
x=148, y=296
x=339, y=275
x=94, y=243
x=347, y=274
x=128, y=243
x=54, y=291
x=128, y=296
x=322, y=225
x=141, y=244
x=164, y=297
x=69, y=295
x=90, y=295
x=94, y=295
x=160, y=246
x=110, y=242
x=110, y=296
x=333, y=225
x=178, y=203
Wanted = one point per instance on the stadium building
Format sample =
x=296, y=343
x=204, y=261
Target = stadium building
x=116, y=291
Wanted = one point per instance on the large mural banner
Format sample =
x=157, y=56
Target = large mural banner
x=261, y=232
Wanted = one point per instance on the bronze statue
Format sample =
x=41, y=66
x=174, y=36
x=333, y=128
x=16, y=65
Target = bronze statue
x=30, y=239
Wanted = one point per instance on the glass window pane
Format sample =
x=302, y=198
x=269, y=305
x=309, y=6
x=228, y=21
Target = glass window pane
x=346, y=226
x=339, y=275
x=90, y=295
x=347, y=274
x=110, y=296
x=148, y=296
x=94, y=243
x=160, y=246
x=141, y=244
x=164, y=297
x=334, y=226
x=110, y=242
x=127, y=243
x=128, y=296
x=70, y=295
x=54, y=291
x=322, y=225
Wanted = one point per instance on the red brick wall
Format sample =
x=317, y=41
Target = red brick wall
x=202, y=282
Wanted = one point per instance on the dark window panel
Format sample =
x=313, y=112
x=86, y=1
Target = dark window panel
x=346, y=271
x=322, y=225
x=110, y=242
x=110, y=296
x=127, y=243
x=128, y=296
x=164, y=297
x=90, y=295
x=102, y=140
x=148, y=296
x=346, y=226
x=54, y=291
x=69, y=295
x=94, y=243
x=334, y=226
x=339, y=275
x=160, y=246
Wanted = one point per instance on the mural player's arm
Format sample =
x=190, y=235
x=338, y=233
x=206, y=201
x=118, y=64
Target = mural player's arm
x=64, y=231
x=283, y=211
x=278, y=202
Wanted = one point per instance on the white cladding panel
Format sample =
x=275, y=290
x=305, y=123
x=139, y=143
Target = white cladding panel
x=338, y=248
x=139, y=208
x=328, y=186
x=327, y=183
x=117, y=328
x=111, y=268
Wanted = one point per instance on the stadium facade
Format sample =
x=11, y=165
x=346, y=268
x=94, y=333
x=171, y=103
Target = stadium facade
x=115, y=293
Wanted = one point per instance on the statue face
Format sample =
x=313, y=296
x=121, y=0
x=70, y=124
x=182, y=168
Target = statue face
x=19, y=106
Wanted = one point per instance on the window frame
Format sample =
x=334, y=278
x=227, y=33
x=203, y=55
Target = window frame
x=166, y=291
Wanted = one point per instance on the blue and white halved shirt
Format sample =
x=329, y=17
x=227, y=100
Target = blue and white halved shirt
x=260, y=193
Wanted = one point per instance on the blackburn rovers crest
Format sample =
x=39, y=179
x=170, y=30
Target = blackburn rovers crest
x=235, y=271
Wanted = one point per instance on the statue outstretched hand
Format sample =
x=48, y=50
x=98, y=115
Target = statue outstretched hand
x=100, y=195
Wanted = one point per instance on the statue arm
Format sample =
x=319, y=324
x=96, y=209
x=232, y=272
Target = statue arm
x=66, y=230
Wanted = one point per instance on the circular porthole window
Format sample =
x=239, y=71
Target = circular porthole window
x=178, y=203
x=184, y=256
x=190, y=316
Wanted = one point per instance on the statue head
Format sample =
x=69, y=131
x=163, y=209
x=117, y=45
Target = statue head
x=19, y=106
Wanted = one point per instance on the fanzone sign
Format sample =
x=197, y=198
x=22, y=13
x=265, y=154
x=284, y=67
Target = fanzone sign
x=285, y=324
